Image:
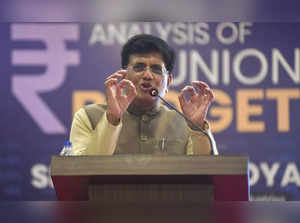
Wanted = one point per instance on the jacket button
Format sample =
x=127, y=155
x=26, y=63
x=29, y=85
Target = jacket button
x=144, y=138
x=145, y=118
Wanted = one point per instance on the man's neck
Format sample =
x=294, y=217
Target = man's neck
x=139, y=109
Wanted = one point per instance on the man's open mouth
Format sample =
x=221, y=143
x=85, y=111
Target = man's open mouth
x=146, y=86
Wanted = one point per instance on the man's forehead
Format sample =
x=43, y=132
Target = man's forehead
x=147, y=58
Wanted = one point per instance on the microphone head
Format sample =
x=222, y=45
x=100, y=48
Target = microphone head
x=153, y=92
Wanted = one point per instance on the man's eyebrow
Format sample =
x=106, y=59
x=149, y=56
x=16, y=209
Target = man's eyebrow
x=143, y=63
x=139, y=63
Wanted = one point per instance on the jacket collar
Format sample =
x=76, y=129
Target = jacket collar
x=136, y=112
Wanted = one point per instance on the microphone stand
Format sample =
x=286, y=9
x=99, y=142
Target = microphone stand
x=154, y=93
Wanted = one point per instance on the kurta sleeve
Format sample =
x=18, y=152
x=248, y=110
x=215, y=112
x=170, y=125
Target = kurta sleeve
x=198, y=143
x=88, y=141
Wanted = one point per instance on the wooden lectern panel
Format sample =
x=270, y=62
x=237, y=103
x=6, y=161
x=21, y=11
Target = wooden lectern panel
x=143, y=193
x=74, y=176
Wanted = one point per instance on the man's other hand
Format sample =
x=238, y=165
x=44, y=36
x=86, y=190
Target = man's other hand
x=196, y=106
x=119, y=94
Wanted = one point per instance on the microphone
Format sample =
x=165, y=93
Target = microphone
x=154, y=93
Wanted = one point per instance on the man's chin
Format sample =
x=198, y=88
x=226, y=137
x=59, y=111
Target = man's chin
x=145, y=100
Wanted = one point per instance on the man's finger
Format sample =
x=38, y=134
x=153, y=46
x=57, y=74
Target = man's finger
x=209, y=94
x=201, y=87
x=200, y=84
x=128, y=86
x=116, y=75
x=109, y=85
x=201, y=90
x=182, y=100
x=131, y=92
x=125, y=83
x=111, y=82
x=189, y=89
x=119, y=74
x=181, y=96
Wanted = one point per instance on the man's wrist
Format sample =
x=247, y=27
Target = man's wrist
x=204, y=126
x=112, y=119
x=201, y=125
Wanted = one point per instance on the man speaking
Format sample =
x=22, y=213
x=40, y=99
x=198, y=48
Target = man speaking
x=134, y=121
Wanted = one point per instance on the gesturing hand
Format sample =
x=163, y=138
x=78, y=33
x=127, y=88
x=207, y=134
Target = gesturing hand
x=197, y=106
x=119, y=95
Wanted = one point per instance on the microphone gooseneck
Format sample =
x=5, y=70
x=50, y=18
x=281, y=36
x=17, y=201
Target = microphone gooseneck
x=154, y=93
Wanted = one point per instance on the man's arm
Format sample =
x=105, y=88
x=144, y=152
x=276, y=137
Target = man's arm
x=103, y=139
x=198, y=143
x=88, y=141
x=195, y=108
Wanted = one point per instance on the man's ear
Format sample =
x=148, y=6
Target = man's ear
x=125, y=68
x=170, y=78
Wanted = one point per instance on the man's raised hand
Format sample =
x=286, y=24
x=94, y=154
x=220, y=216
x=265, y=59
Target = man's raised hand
x=119, y=94
x=197, y=106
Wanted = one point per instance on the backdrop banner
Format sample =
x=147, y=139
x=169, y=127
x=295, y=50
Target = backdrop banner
x=50, y=70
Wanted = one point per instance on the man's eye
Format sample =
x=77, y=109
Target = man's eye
x=156, y=69
x=139, y=67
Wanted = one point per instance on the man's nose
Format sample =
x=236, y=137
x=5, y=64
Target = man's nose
x=148, y=74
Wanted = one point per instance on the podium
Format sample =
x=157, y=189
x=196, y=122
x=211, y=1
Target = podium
x=150, y=178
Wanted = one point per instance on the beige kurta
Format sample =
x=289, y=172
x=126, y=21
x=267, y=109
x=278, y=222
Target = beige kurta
x=161, y=131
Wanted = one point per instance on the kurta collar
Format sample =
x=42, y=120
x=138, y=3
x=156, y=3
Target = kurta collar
x=154, y=111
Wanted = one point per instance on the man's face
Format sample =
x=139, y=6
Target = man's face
x=147, y=71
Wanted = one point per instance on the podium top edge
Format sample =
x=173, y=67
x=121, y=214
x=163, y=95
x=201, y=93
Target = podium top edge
x=148, y=164
x=121, y=156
